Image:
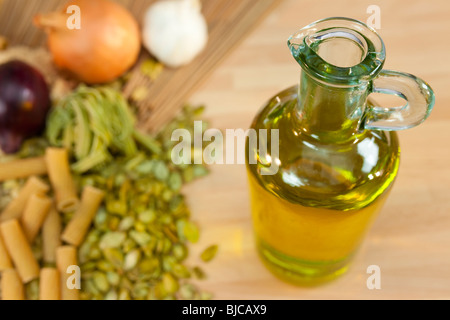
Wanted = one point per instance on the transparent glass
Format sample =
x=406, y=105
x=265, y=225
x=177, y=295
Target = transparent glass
x=338, y=151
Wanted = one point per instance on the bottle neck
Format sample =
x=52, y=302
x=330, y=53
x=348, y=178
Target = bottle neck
x=328, y=112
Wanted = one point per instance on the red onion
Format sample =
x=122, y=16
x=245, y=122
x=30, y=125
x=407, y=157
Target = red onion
x=24, y=104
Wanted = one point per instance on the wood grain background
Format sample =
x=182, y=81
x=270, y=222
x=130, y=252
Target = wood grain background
x=410, y=240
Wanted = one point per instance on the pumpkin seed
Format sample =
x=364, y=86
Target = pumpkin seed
x=175, y=181
x=188, y=174
x=139, y=94
x=104, y=265
x=180, y=271
x=88, y=266
x=151, y=69
x=140, y=291
x=124, y=294
x=170, y=284
x=87, y=275
x=209, y=253
x=113, y=223
x=199, y=273
x=132, y=259
x=145, y=167
x=100, y=219
x=114, y=256
x=113, y=278
x=149, y=248
x=90, y=287
x=128, y=244
x=168, y=262
x=200, y=171
x=139, y=226
x=32, y=290
x=83, y=252
x=111, y=295
x=93, y=236
x=179, y=251
x=206, y=296
x=161, y=171
x=95, y=253
x=126, y=283
x=141, y=238
x=112, y=240
x=147, y=216
x=191, y=232
x=101, y=281
x=85, y=296
x=126, y=224
x=118, y=207
x=148, y=265
x=187, y=291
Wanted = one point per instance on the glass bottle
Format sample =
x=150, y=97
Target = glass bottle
x=336, y=155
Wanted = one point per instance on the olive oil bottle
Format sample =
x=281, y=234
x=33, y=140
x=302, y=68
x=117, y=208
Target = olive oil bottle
x=338, y=152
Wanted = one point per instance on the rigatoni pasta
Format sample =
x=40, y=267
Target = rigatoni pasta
x=76, y=229
x=22, y=168
x=66, y=256
x=19, y=250
x=49, y=284
x=12, y=286
x=5, y=260
x=51, y=235
x=57, y=161
x=34, y=215
x=15, y=208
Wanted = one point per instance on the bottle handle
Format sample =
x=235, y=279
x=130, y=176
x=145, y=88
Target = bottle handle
x=419, y=102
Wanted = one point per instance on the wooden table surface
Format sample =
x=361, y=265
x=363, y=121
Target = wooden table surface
x=410, y=240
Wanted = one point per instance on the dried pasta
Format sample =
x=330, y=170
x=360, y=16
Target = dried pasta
x=76, y=229
x=12, y=286
x=15, y=208
x=19, y=250
x=34, y=215
x=5, y=260
x=49, y=284
x=22, y=168
x=51, y=235
x=59, y=173
x=66, y=256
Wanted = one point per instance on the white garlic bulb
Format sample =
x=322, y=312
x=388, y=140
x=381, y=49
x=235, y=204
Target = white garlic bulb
x=175, y=31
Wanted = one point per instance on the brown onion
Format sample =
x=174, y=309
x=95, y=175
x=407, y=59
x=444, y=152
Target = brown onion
x=105, y=46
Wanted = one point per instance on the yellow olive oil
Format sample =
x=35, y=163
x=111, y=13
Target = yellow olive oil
x=311, y=215
x=326, y=155
x=306, y=245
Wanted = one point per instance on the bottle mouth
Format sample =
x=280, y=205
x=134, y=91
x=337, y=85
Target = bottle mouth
x=339, y=50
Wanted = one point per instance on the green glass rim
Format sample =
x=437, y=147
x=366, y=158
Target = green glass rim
x=366, y=70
